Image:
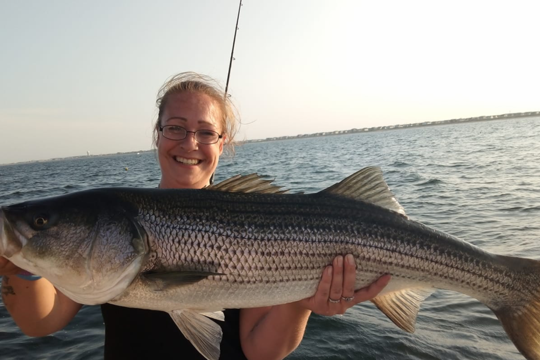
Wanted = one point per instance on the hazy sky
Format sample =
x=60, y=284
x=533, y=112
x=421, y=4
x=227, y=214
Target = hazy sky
x=80, y=76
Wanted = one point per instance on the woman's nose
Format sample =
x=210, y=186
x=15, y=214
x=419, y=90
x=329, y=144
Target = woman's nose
x=189, y=141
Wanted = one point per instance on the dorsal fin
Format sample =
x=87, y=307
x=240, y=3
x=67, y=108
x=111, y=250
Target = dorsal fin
x=251, y=183
x=367, y=185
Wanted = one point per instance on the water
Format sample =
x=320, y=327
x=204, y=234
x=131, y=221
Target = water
x=478, y=181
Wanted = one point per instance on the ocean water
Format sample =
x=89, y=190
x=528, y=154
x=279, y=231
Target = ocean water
x=478, y=181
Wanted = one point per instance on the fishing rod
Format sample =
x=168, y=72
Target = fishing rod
x=232, y=50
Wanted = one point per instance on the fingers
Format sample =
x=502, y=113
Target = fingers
x=320, y=302
x=320, y=299
x=335, y=292
x=349, y=279
x=336, y=289
x=342, y=294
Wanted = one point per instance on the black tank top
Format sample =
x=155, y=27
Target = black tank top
x=146, y=334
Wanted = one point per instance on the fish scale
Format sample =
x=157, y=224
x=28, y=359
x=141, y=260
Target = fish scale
x=267, y=262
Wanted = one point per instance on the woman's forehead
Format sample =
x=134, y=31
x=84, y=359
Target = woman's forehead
x=192, y=106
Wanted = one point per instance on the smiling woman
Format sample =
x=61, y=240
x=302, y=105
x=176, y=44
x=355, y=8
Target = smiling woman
x=190, y=103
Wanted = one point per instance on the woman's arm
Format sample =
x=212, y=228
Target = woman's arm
x=37, y=307
x=274, y=332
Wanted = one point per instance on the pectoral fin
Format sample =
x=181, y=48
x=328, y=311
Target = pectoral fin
x=402, y=306
x=204, y=334
x=159, y=281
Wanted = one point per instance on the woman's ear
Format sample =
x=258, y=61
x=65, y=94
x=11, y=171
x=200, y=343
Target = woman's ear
x=221, y=142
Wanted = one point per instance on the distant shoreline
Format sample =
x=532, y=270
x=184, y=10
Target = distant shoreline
x=329, y=133
x=402, y=126
x=77, y=157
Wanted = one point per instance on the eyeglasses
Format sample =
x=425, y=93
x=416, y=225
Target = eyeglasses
x=175, y=132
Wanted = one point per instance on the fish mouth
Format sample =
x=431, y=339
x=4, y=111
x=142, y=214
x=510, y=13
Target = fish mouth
x=10, y=242
x=187, y=161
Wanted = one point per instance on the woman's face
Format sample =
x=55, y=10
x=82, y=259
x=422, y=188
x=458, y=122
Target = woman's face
x=186, y=164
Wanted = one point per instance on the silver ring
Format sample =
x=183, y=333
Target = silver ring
x=347, y=299
x=332, y=301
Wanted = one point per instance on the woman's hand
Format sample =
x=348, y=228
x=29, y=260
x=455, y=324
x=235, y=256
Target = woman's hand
x=7, y=267
x=335, y=293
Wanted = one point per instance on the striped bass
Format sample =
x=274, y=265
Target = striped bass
x=246, y=243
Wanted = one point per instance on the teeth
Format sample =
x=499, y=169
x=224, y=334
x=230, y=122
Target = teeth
x=187, y=161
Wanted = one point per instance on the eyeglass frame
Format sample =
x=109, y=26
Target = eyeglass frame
x=220, y=136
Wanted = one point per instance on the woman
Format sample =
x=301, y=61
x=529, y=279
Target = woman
x=194, y=123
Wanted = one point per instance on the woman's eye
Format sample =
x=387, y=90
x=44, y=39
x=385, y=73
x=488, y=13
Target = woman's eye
x=176, y=129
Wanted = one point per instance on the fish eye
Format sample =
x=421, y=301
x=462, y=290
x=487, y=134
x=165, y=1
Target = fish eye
x=40, y=220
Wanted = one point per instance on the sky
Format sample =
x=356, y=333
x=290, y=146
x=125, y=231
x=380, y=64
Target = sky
x=80, y=77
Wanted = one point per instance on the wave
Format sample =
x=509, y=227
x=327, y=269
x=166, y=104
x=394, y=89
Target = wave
x=430, y=182
x=400, y=164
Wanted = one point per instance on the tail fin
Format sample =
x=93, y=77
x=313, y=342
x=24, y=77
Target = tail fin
x=523, y=328
x=522, y=322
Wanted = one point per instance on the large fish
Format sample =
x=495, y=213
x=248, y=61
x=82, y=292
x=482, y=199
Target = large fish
x=243, y=243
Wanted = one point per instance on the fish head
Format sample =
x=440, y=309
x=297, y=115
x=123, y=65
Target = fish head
x=88, y=244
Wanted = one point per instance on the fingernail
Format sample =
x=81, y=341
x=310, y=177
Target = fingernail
x=350, y=259
x=340, y=261
x=329, y=270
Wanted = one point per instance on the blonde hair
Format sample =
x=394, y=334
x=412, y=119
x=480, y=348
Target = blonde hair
x=198, y=83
